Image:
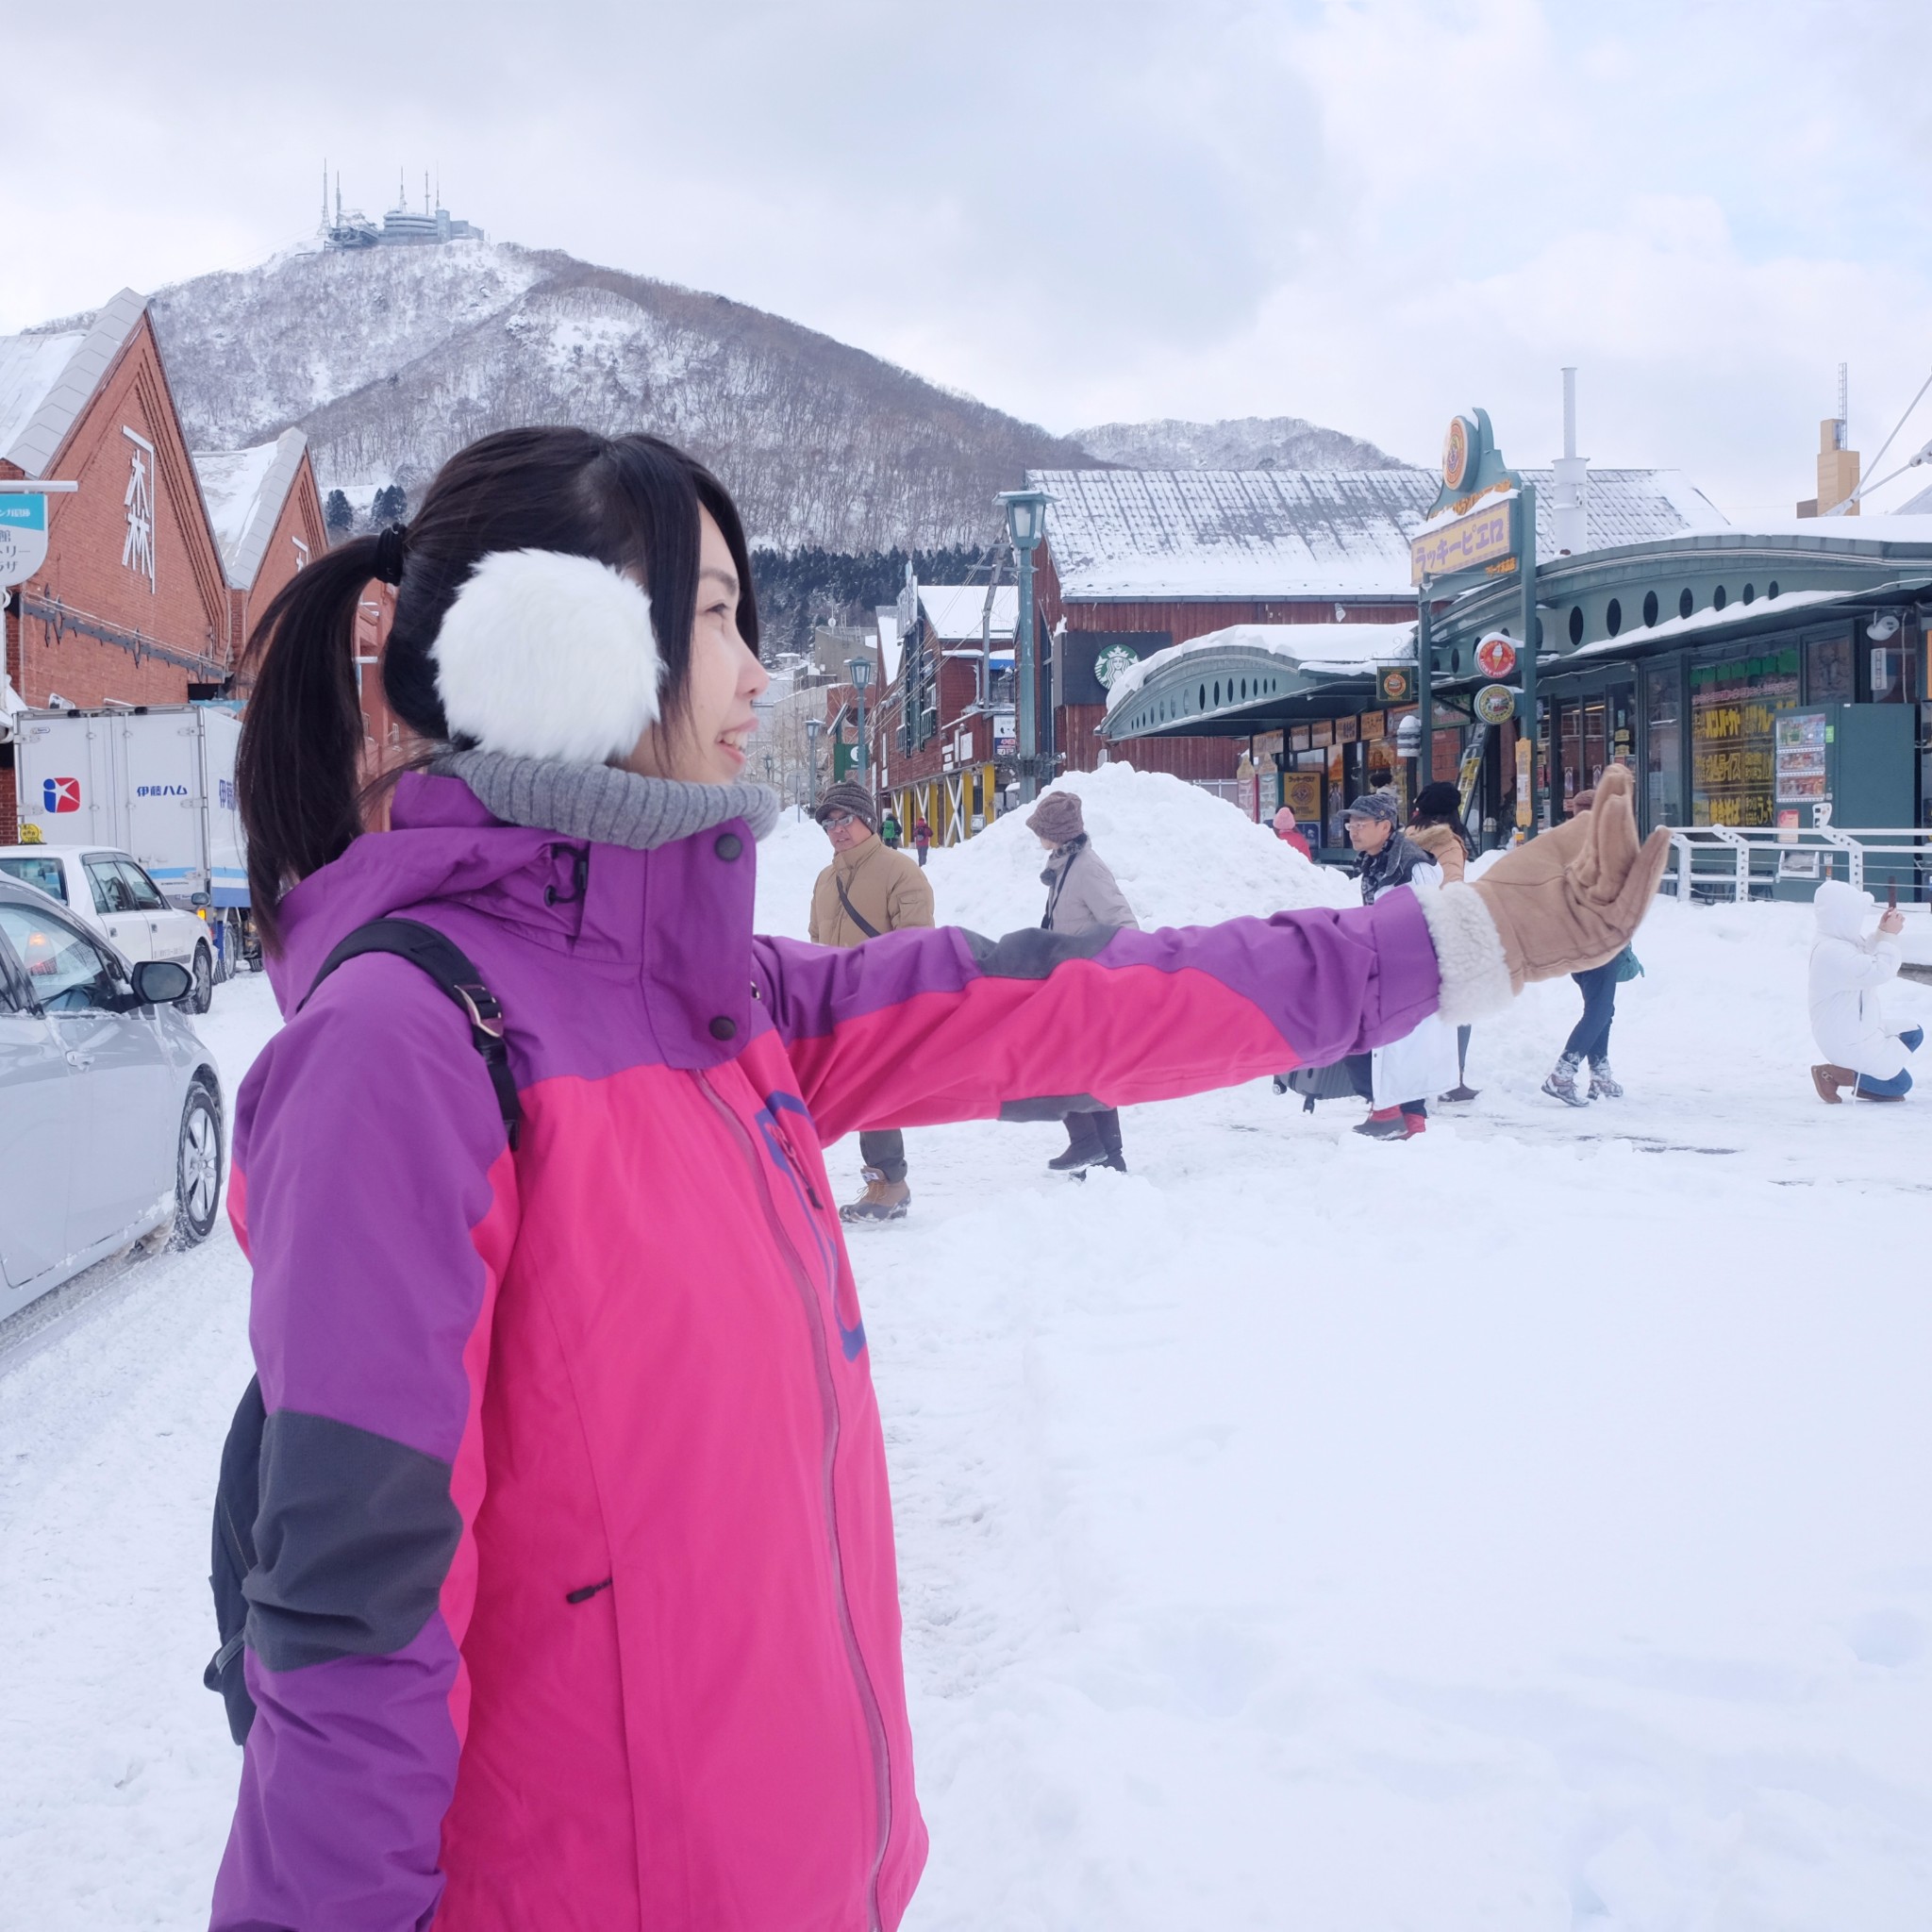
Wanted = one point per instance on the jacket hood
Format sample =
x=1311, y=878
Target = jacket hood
x=1842, y=911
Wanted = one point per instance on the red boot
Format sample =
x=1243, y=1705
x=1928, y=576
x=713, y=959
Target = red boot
x=1385, y=1124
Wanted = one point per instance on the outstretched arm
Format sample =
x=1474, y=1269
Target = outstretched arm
x=918, y=1027
x=943, y=1026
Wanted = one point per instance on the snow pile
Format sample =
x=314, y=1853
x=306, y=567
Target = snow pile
x=1182, y=856
x=1522, y=1528
x=790, y=861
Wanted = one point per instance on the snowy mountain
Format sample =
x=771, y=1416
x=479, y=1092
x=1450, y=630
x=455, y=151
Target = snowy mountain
x=1243, y=443
x=390, y=359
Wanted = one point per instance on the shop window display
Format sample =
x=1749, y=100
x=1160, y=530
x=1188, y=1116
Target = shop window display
x=1663, y=763
x=1734, y=706
x=1828, y=670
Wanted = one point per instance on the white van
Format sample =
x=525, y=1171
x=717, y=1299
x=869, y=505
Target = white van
x=109, y=891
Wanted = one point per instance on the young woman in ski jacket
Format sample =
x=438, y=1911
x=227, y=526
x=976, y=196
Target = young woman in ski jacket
x=575, y=1603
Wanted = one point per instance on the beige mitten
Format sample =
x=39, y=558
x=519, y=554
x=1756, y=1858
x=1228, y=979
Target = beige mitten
x=1573, y=897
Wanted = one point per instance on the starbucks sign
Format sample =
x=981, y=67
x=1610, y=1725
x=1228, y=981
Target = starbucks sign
x=1111, y=663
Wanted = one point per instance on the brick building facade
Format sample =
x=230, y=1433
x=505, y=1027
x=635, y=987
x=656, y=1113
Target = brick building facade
x=132, y=601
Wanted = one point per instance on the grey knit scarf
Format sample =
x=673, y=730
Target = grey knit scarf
x=601, y=803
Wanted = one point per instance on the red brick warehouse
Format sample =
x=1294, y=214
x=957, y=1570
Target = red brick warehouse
x=132, y=603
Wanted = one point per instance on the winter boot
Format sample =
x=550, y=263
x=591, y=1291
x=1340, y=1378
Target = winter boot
x=1828, y=1079
x=1107, y=1124
x=1386, y=1123
x=883, y=1200
x=1459, y=1096
x=1083, y=1149
x=1603, y=1084
x=1561, y=1085
x=1414, y=1124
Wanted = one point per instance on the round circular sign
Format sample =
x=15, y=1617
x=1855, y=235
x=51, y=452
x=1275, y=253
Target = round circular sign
x=1495, y=704
x=1496, y=653
x=1112, y=662
x=1458, y=452
x=1394, y=687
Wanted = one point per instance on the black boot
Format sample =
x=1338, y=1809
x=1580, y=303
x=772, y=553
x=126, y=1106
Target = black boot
x=1083, y=1149
x=1107, y=1125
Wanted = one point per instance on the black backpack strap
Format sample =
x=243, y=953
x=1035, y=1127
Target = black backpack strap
x=852, y=911
x=449, y=966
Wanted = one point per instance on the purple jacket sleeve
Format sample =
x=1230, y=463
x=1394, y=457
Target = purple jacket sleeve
x=923, y=1026
x=375, y=1198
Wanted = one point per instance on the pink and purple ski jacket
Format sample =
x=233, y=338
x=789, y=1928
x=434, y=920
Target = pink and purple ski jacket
x=576, y=1605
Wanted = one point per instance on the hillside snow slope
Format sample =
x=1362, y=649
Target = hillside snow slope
x=392, y=359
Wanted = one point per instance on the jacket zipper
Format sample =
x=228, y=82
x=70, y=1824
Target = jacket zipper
x=868, y=1695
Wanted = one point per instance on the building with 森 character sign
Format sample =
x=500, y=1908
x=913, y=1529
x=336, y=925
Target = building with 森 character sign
x=1749, y=676
x=131, y=604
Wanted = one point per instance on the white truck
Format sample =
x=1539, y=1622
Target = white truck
x=155, y=781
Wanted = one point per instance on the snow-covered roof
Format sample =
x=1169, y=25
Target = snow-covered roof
x=888, y=620
x=1919, y=505
x=47, y=380
x=1211, y=534
x=1335, y=650
x=245, y=490
x=955, y=610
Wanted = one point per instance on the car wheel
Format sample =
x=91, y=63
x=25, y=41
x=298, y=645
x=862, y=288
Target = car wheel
x=203, y=995
x=197, y=1168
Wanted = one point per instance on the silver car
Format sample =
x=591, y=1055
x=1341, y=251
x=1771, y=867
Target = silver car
x=110, y=1108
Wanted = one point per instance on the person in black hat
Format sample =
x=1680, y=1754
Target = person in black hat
x=1386, y=857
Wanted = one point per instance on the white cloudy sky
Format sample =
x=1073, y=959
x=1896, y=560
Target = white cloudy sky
x=1369, y=214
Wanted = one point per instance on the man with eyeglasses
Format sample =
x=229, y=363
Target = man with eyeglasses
x=866, y=891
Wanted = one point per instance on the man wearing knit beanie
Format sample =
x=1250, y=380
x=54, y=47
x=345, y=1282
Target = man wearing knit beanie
x=867, y=890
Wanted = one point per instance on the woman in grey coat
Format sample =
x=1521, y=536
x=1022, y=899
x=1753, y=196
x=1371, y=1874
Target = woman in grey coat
x=1081, y=893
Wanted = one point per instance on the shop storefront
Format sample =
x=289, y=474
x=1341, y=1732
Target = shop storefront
x=1826, y=632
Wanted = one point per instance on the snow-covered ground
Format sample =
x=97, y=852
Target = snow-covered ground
x=1524, y=1527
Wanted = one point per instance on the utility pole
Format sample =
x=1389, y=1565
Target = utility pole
x=1526, y=546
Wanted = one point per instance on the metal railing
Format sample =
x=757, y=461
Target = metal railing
x=1719, y=862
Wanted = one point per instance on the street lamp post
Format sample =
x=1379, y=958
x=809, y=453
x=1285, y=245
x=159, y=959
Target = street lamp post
x=1025, y=524
x=859, y=669
x=812, y=728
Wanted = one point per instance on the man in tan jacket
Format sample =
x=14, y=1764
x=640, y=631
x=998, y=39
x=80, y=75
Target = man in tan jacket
x=868, y=889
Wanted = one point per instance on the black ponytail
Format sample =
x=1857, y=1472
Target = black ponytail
x=298, y=768
x=632, y=502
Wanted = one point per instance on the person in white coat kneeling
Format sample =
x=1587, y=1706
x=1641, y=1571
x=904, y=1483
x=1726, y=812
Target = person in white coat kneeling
x=1848, y=967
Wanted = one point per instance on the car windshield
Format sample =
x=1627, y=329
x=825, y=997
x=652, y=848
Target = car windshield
x=44, y=873
x=67, y=975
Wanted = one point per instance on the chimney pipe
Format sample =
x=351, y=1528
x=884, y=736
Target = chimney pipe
x=1570, y=498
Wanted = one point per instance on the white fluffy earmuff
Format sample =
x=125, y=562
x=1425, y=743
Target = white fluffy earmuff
x=545, y=655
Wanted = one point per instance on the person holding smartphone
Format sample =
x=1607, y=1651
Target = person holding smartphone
x=1848, y=968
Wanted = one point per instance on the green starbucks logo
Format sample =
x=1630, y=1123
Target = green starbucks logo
x=1112, y=662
